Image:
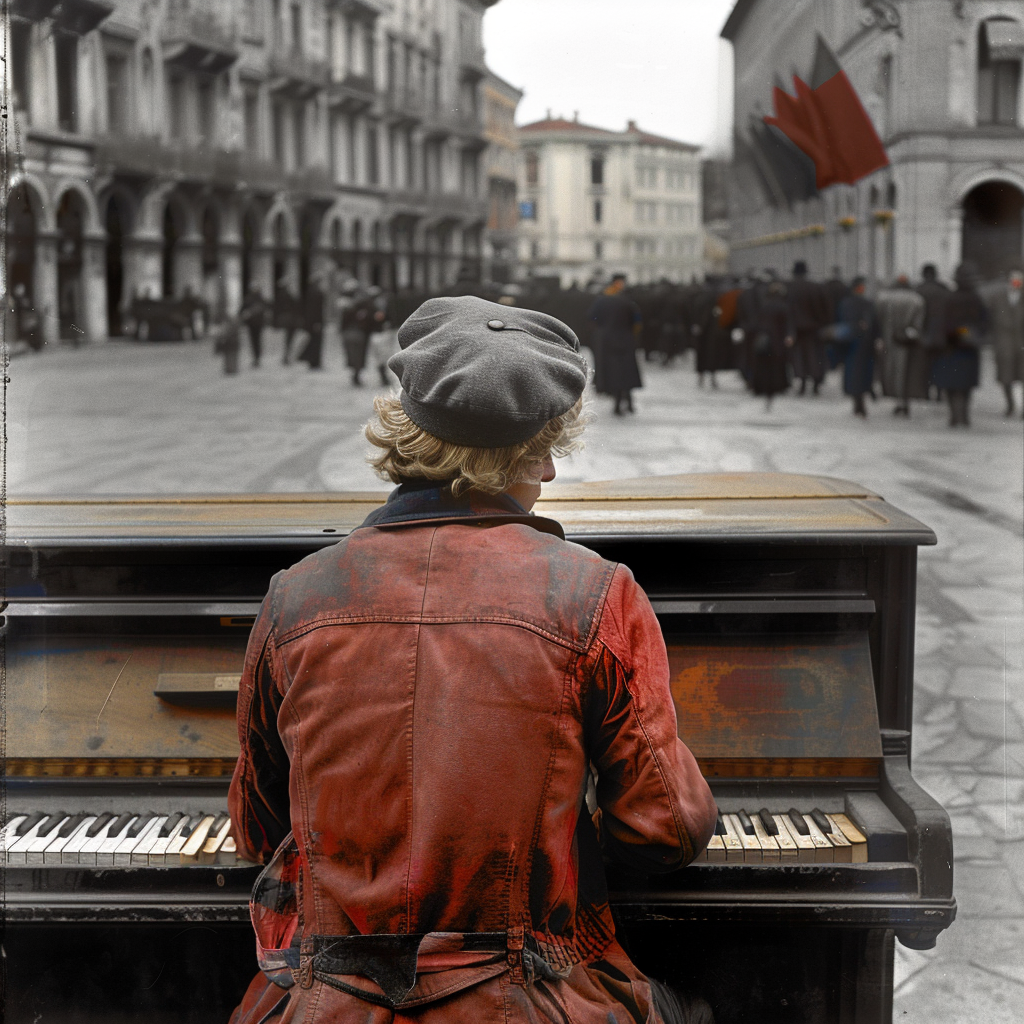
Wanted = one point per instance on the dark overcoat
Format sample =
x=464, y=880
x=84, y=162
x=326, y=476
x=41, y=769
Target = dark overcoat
x=857, y=314
x=956, y=365
x=613, y=340
x=769, y=371
x=1008, y=335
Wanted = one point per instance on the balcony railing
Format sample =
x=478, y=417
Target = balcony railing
x=353, y=92
x=296, y=73
x=198, y=39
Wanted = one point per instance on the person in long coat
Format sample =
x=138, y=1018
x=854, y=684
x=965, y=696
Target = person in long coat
x=617, y=323
x=935, y=294
x=809, y=311
x=903, y=358
x=313, y=322
x=861, y=333
x=955, y=368
x=420, y=707
x=1006, y=307
x=767, y=351
x=254, y=315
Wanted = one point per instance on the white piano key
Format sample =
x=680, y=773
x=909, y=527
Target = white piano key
x=71, y=850
x=123, y=853
x=805, y=853
x=88, y=849
x=787, y=848
x=105, y=852
x=751, y=847
x=19, y=848
x=842, y=848
x=859, y=842
x=158, y=851
x=769, y=847
x=733, y=846
x=178, y=840
x=141, y=851
x=34, y=851
x=7, y=835
x=715, y=852
x=190, y=851
x=823, y=849
x=214, y=841
x=54, y=853
x=228, y=852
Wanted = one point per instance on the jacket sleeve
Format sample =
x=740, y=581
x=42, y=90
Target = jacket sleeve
x=657, y=812
x=258, y=797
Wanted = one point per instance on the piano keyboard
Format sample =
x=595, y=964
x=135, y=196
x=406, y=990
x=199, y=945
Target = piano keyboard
x=118, y=840
x=764, y=837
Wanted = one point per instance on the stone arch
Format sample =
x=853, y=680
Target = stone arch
x=38, y=197
x=93, y=224
x=969, y=179
x=280, y=212
x=992, y=227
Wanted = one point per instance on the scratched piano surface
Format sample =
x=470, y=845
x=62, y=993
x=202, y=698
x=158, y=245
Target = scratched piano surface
x=787, y=604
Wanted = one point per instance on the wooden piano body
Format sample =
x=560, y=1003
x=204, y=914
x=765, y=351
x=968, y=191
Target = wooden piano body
x=787, y=603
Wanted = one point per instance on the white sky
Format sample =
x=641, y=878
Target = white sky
x=655, y=61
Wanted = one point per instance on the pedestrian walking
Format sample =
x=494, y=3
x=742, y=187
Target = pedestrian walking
x=254, y=315
x=903, y=360
x=356, y=322
x=455, y=656
x=808, y=310
x=705, y=332
x=313, y=323
x=935, y=294
x=859, y=333
x=382, y=343
x=228, y=343
x=767, y=352
x=287, y=317
x=835, y=290
x=1007, y=313
x=617, y=324
x=955, y=367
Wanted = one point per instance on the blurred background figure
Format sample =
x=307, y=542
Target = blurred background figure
x=617, y=325
x=860, y=332
x=254, y=315
x=955, y=368
x=1006, y=306
x=382, y=343
x=287, y=316
x=809, y=311
x=766, y=353
x=904, y=366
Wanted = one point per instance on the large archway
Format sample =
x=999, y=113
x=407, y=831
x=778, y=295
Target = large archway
x=993, y=227
x=250, y=240
x=21, y=243
x=70, y=297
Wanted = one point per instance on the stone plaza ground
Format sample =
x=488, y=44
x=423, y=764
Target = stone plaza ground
x=125, y=418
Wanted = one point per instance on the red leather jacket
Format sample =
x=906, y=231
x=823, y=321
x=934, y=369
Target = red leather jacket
x=419, y=706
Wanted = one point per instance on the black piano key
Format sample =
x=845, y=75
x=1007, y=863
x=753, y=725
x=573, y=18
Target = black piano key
x=50, y=822
x=748, y=825
x=719, y=825
x=768, y=821
x=172, y=822
x=29, y=823
x=218, y=824
x=188, y=827
x=120, y=823
x=798, y=822
x=821, y=821
x=71, y=824
x=140, y=822
x=100, y=822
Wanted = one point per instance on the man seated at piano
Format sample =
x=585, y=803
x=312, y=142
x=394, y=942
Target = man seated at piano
x=421, y=706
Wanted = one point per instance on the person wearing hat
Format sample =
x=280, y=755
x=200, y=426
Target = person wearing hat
x=809, y=312
x=425, y=704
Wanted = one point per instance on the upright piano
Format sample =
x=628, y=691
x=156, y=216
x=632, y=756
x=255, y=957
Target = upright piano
x=787, y=604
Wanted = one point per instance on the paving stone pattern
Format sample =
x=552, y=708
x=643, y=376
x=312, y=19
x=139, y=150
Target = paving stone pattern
x=128, y=418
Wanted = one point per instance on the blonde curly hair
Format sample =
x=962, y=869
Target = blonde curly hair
x=407, y=451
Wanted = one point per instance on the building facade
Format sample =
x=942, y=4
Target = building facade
x=595, y=202
x=500, y=238
x=941, y=81
x=163, y=148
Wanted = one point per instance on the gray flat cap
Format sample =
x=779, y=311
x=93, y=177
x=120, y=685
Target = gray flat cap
x=483, y=375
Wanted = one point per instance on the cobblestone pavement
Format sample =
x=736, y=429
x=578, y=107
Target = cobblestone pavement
x=123, y=418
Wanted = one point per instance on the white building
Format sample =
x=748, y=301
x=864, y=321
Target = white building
x=595, y=202
x=942, y=84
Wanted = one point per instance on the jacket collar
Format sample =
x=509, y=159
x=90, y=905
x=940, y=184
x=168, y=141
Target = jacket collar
x=416, y=502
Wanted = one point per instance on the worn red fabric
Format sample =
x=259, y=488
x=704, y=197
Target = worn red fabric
x=419, y=705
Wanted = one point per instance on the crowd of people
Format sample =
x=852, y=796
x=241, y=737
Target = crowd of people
x=907, y=342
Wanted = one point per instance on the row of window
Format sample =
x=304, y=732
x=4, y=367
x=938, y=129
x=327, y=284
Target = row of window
x=645, y=248
x=646, y=212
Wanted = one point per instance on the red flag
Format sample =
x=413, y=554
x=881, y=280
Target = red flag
x=828, y=122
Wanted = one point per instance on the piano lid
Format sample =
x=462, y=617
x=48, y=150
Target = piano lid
x=757, y=507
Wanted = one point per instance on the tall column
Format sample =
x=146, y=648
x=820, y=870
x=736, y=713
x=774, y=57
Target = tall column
x=263, y=270
x=44, y=296
x=188, y=266
x=143, y=266
x=94, y=285
x=231, y=275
